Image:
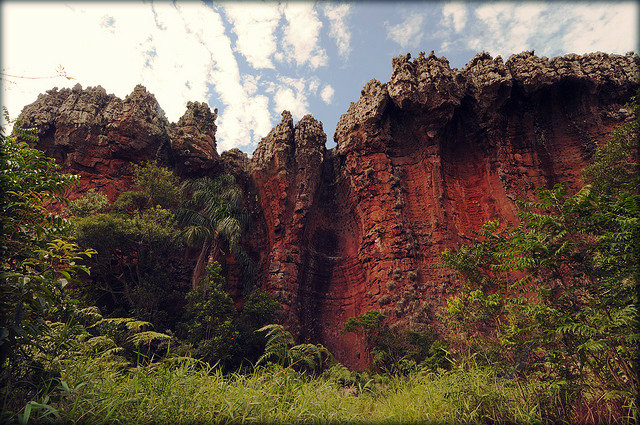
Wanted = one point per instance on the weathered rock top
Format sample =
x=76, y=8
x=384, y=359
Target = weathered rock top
x=429, y=86
x=287, y=144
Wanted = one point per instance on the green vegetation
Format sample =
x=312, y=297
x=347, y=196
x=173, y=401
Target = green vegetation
x=543, y=328
x=213, y=217
x=555, y=298
x=187, y=391
x=38, y=260
x=398, y=352
x=281, y=349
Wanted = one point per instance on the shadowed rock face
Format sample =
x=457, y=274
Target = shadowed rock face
x=193, y=141
x=421, y=162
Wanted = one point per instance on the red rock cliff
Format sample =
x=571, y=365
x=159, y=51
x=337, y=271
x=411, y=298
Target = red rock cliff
x=421, y=161
x=99, y=136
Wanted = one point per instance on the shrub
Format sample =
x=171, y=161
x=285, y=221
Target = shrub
x=209, y=319
x=159, y=183
x=91, y=203
x=37, y=259
x=131, y=201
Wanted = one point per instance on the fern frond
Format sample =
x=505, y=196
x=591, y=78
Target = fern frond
x=310, y=355
x=148, y=337
x=278, y=342
x=137, y=325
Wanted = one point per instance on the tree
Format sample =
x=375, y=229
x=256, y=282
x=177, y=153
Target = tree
x=159, y=183
x=38, y=257
x=134, y=270
x=214, y=216
x=209, y=313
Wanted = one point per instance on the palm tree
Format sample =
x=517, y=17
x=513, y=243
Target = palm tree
x=215, y=217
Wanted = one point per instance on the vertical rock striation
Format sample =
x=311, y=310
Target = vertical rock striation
x=421, y=162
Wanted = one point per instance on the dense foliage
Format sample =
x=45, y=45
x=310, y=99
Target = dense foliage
x=556, y=296
x=142, y=265
x=398, y=351
x=38, y=259
x=214, y=219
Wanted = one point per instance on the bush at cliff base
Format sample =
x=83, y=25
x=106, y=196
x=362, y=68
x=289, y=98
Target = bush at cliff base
x=556, y=296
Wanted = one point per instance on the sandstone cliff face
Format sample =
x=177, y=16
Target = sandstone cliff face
x=421, y=162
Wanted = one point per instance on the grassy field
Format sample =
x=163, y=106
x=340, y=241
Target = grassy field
x=188, y=391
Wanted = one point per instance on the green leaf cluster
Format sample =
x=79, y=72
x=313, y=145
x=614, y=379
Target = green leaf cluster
x=281, y=349
x=214, y=221
x=556, y=296
x=38, y=257
x=219, y=332
x=397, y=352
x=160, y=185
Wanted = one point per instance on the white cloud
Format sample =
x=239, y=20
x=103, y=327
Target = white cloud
x=254, y=24
x=294, y=102
x=302, y=35
x=293, y=94
x=552, y=29
x=510, y=27
x=177, y=52
x=250, y=83
x=455, y=14
x=313, y=85
x=407, y=33
x=327, y=94
x=602, y=27
x=339, y=28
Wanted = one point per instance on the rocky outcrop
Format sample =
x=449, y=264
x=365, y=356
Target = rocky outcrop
x=286, y=169
x=99, y=136
x=421, y=162
x=193, y=141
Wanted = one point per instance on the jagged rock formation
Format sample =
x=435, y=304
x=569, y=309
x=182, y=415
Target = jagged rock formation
x=286, y=168
x=193, y=141
x=421, y=162
x=100, y=136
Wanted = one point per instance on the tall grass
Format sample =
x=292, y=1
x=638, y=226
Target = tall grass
x=189, y=391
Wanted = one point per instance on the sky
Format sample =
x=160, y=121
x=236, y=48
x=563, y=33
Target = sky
x=252, y=60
